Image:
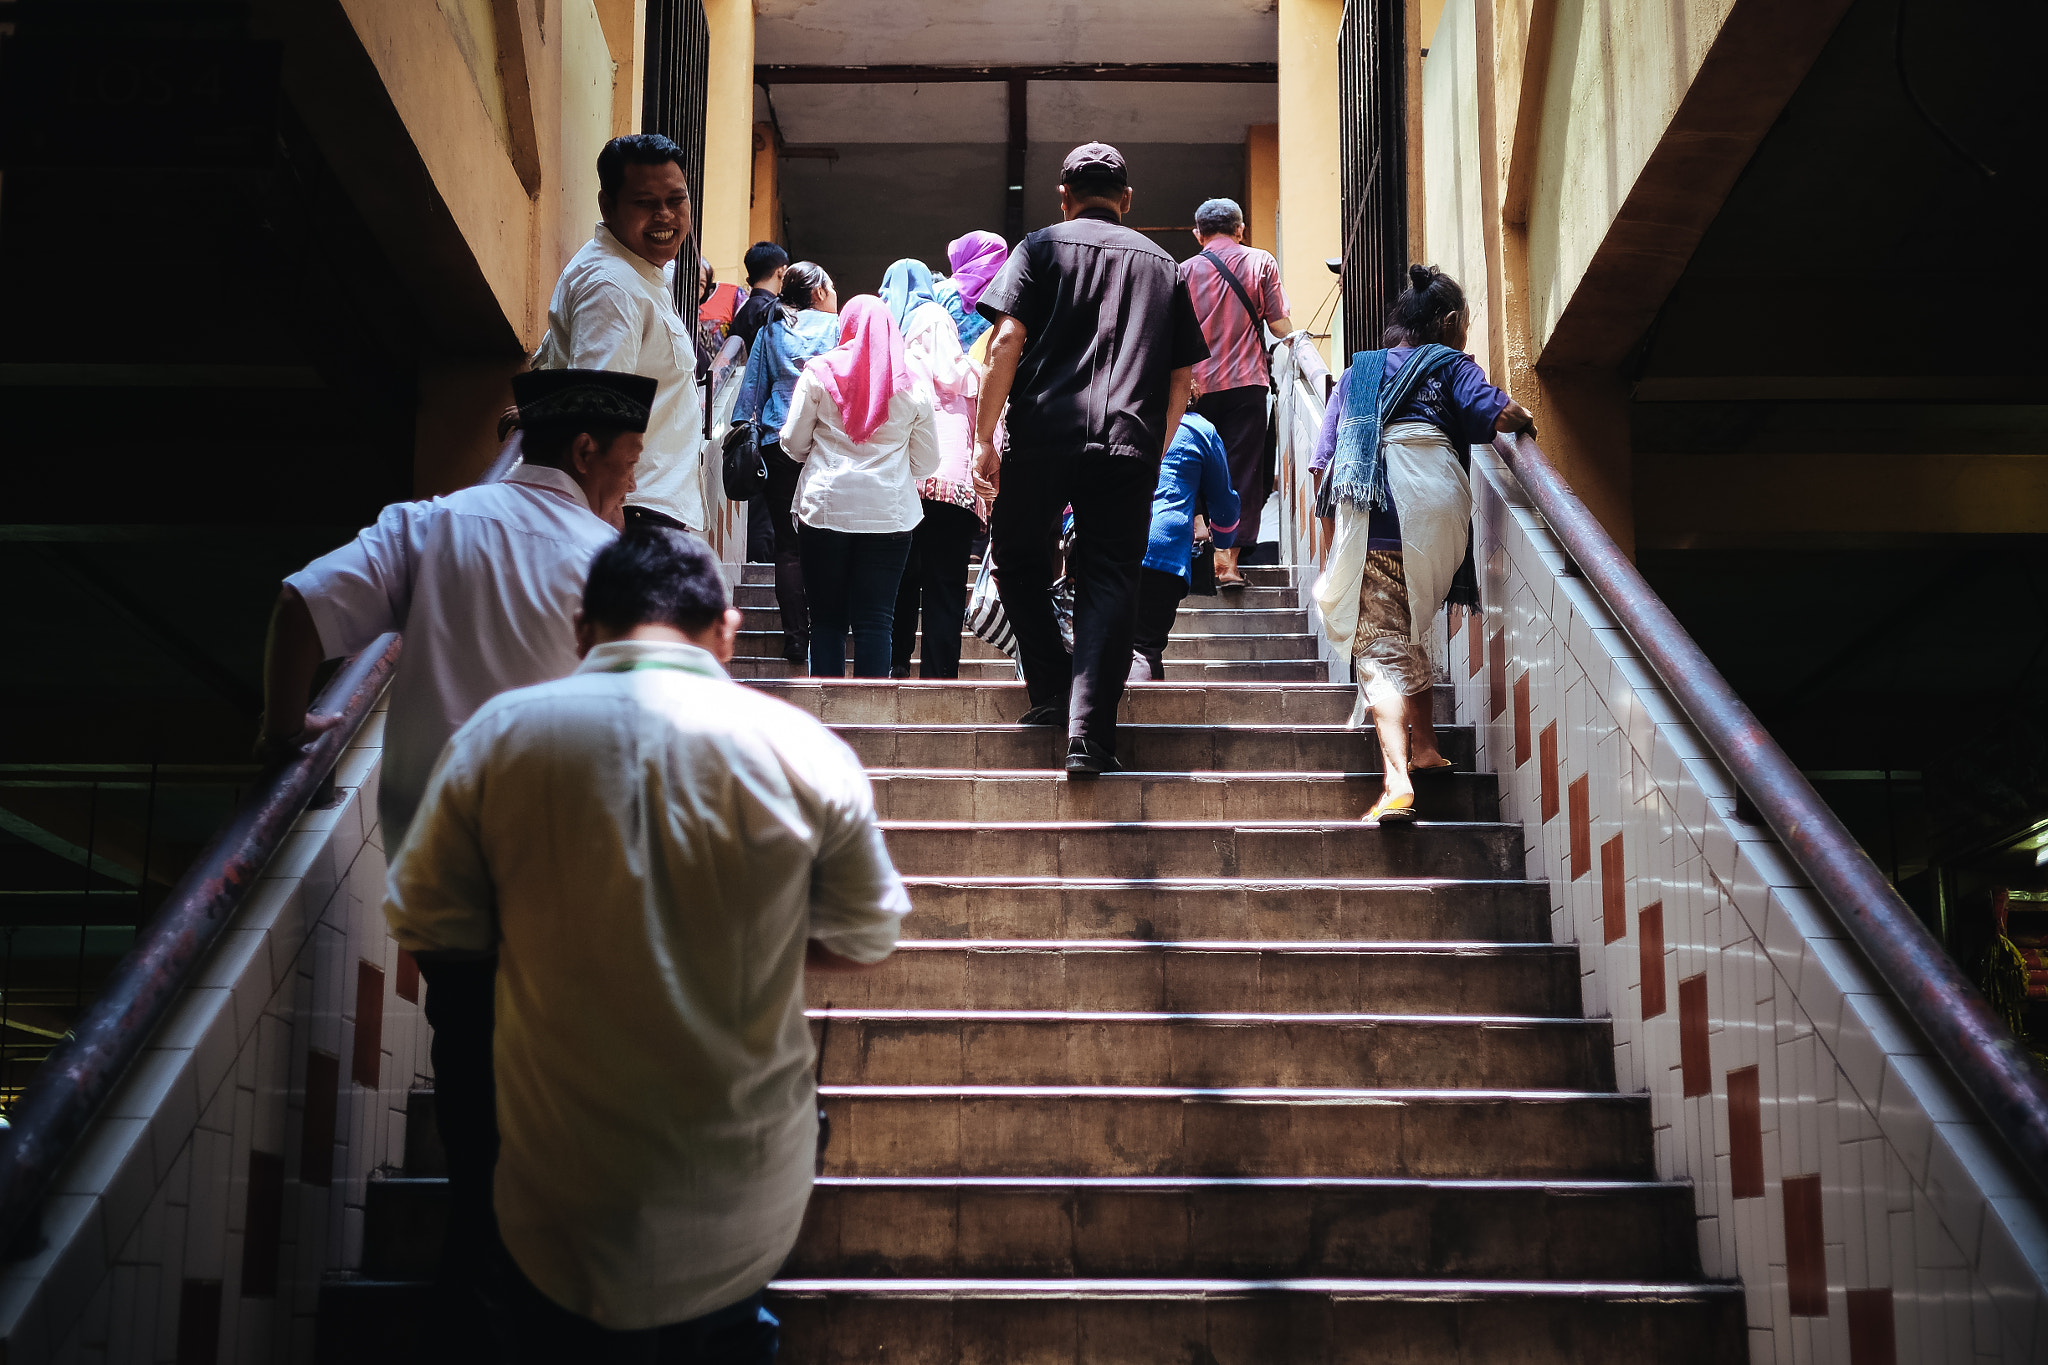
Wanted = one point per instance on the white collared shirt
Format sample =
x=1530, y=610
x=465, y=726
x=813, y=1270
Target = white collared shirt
x=865, y=488
x=611, y=310
x=648, y=846
x=484, y=583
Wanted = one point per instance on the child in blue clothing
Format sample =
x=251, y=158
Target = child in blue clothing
x=1195, y=468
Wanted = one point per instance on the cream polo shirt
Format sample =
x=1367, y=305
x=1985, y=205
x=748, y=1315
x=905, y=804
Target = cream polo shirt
x=485, y=584
x=613, y=311
x=649, y=845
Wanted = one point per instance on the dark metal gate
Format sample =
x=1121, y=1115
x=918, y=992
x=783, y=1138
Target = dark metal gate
x=672, y=104
x=1372, y=125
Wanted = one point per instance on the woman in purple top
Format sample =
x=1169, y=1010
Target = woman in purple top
x=1394, y=462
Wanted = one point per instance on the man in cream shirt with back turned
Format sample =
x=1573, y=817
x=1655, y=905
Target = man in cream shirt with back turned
x=615, y=309
x=655, y=854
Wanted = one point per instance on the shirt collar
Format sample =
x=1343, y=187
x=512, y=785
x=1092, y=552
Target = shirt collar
x=1100, y=213
x=653, y=274
x=549, y=477
x=622, y=656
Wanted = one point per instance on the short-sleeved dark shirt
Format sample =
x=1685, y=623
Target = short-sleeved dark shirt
x=1107, y=320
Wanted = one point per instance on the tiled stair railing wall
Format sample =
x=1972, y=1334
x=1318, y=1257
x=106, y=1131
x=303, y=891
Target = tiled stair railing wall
x=225, y=1176
x=1870, y=1213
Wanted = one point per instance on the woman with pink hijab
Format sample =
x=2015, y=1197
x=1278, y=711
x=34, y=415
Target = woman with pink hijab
x=975, y=258
x=864, y=432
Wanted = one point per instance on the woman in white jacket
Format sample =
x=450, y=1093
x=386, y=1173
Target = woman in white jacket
x=864, y=432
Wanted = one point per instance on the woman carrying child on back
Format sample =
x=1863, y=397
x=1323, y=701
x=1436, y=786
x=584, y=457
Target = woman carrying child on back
x=1395, y=462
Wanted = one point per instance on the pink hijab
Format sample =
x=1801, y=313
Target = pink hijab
x=975, y=259
x=866, y=369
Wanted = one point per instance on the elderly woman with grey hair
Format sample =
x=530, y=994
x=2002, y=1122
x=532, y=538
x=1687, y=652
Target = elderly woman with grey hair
x=1237, y=295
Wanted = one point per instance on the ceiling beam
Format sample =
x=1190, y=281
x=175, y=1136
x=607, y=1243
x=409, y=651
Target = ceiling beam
x=1188, y=73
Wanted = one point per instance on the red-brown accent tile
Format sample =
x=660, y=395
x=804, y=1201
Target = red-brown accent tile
x=199, y=1323
x=1650, y=947
x=316, y=1137
x=1522, y=719
x=264, y=1225
x=1871, y=1328
x=1745, y=1135
x=1694, y=1061
x=366, y=1064
x=407, y=985
x=1613, y=892
x=1497, y=675
x=1579, y=796
x=1546, y=754
x=1475, y=644
x=1806, y=1265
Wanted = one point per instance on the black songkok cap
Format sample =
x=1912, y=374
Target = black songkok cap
x=582, y=400
x=1095, y=161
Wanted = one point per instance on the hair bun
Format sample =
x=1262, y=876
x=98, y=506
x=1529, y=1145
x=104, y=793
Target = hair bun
x=1421, y=277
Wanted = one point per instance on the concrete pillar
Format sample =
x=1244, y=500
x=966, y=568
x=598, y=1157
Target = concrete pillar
x=765, y=223
x=1262, y=186
x=1311, y=208
x=724, y=219
x=625, y=33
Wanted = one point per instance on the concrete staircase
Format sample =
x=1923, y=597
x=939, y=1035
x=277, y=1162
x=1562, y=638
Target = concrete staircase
x=1185, y=1066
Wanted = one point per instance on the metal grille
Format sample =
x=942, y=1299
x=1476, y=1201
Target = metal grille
x=672, y=104
x=1372, y=124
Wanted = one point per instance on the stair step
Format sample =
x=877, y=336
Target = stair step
x=1269, y=1229
x=751, y=643
x=750, y=596
x=1143, y=748
x=1203, y=848
x=964, y=795
x=1000, y=670
x=1261, y=1131
x=1304, y=1322
x=1166, y=909
x=953, y=1047
x=1413, y=978
x=1255, y=575
x=1204, y=619
x=965, y=702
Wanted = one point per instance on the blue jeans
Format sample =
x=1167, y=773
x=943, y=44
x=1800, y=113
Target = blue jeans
x=851, y=580
x=534, y=1330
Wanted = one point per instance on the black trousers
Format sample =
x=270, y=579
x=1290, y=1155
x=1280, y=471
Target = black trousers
x=1239, y=416
x=461, y=1009
x=1112, y=501
x=783, y=473
x=533, y=1329
x=935, y=577
x=1159, y=597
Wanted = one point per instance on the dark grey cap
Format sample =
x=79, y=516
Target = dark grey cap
x=1095, y=160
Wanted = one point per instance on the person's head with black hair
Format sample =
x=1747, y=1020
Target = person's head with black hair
x=806, y=285
x=765, y=263
x=653, y=583
x=589, y=424
x=643, y=196
x=1431, y=308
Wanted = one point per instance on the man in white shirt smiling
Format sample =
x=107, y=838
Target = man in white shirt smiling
x=655, y=854
x=484, y=583
x=614, y=308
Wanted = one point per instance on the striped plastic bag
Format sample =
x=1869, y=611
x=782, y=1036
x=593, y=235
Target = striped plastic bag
x=985, y=614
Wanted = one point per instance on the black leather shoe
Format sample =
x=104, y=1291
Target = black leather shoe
x=795, y=650
x=1086, y=761
x=1049, y=713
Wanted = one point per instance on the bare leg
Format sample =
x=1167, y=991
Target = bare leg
x=1390, y=718
x=1421, y=714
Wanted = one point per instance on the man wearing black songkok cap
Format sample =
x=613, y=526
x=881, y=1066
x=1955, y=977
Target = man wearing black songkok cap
x=485, y=584
x=1095, y=344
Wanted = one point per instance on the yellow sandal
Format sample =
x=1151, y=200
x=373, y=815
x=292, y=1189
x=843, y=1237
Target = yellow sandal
x=1386, y=812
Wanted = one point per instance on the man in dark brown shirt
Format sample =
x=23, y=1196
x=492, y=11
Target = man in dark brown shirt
x=1095, y=342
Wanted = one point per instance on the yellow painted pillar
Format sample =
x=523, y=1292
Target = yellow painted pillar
x=625, y=33
x=765, y=225
x=1311, y=209
x=724, y=219
x=1262, y=186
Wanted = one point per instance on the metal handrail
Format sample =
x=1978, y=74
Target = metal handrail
x=67, y=1090
x=1988, y=1062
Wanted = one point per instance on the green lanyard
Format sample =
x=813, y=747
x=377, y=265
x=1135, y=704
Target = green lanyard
x=640, y=665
